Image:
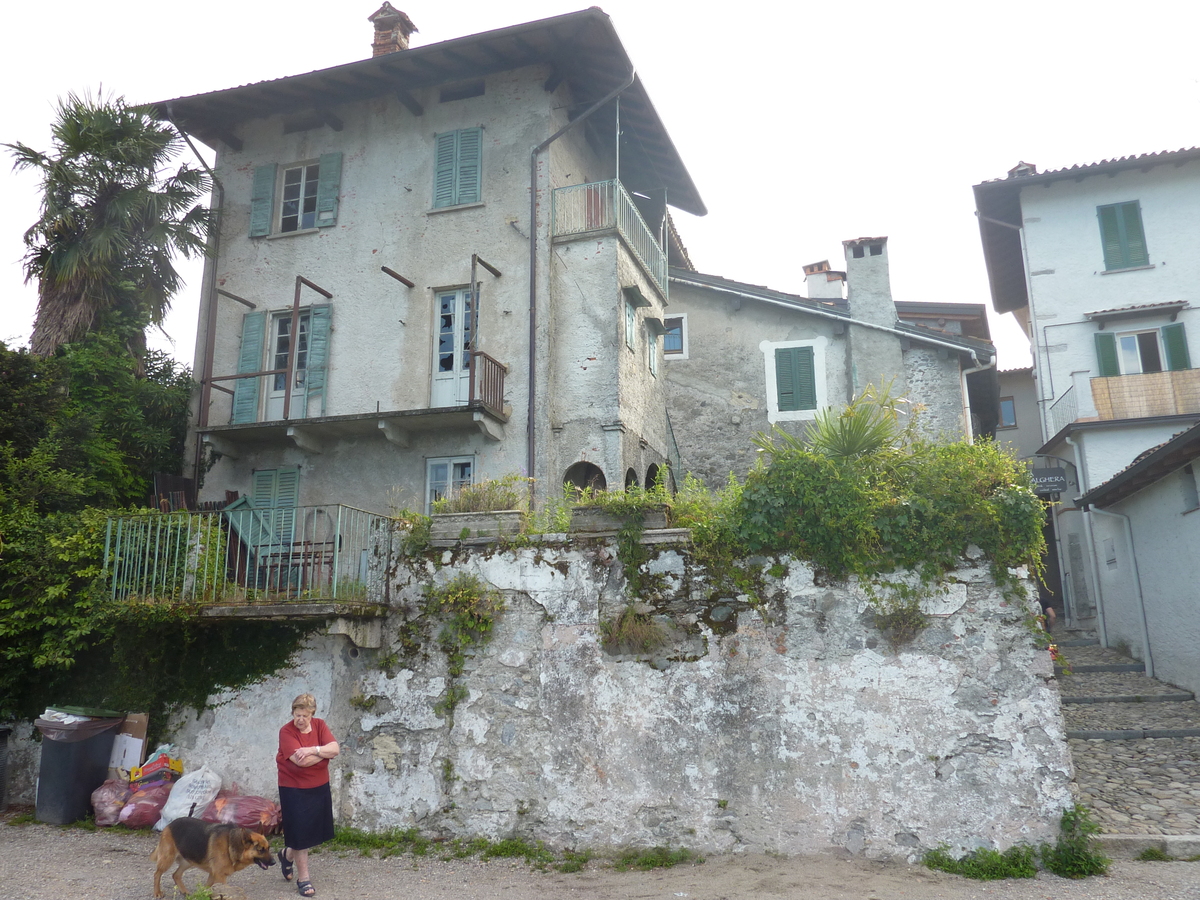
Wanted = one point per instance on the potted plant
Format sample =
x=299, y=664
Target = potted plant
x=480, y=513
x=597, y=512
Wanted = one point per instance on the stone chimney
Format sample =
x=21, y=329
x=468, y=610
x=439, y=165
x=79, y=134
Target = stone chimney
x=870, y=287
x=392, y=29
x=823, y=282
x=876, y=357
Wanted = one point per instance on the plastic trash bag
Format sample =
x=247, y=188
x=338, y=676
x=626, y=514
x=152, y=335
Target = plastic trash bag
x=231, y=807
x=108, y=800
x=143, y=807
x=193, y=792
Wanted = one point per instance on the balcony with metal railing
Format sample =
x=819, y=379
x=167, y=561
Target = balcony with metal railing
x=606, y=206
x=334, y=557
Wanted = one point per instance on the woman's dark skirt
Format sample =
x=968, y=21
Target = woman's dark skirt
x=307, y=816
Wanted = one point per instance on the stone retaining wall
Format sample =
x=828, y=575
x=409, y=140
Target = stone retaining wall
x=788, y=724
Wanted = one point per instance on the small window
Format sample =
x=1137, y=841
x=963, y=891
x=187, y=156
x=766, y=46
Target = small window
x=1122, y=237
x=461, y=91
x=795, y=379
x=630, y=325
x=299, y=207
x=1008, y=413
x=652, y=350
x=296, y=197
x=458, y=167
x=675, y=337
x=1138, y=352
x=446, y=475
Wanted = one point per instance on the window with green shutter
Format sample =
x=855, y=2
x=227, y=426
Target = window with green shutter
x=307, y=196
x=458, y=167
x=1122, y=236
x=795, y=378
x=1140, y=352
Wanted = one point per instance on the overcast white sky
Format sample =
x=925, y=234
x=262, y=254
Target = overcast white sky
x=803, y=124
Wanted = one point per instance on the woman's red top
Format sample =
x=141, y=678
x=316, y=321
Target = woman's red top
x=291, y=740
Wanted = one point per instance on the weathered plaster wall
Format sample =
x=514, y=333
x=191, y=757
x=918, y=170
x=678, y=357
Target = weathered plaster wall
x=788, y=724
x=933, y=379
x=717, y=395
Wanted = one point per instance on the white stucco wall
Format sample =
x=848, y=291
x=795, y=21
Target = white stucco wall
x=1165, y=536
x=790, y=727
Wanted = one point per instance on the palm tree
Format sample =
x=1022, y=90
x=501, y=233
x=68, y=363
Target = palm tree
x=113, y=215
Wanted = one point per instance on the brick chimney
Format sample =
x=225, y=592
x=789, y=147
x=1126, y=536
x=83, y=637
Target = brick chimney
x=392, y=29
x=823, y=282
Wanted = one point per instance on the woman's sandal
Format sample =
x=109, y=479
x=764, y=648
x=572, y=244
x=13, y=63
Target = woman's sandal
x=286, y=865
x=305, y=889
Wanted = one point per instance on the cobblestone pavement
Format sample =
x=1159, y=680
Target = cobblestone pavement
x=1145, y=785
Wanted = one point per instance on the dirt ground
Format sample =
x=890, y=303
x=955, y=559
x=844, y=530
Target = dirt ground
x=43, y=862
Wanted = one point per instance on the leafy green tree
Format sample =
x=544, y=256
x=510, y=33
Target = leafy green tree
x=80, y=432
x=110, y=222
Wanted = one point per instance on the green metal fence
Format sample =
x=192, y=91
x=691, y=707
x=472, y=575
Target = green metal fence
x=246, y=554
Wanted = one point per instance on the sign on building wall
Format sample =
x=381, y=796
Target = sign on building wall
x=1049, y=481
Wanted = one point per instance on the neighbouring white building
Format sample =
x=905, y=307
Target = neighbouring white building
x=1100, y=263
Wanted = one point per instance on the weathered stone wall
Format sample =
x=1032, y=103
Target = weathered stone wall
x=786, y=723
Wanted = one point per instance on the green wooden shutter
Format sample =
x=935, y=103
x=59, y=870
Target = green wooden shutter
x=1110, y=237
x=443, y=169
x=262, y=488
x=795, y=379
x=1106, y=354
x=470, y=152
x=1175, y=341
x=319, y=322
x=329, y=181
x=1135, y=237
x=262, y=201
x=806, y=381
x=785, y=379
x=1122, y=236
x=245, y=391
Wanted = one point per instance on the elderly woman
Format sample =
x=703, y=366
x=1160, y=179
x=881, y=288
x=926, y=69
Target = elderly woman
x=306, y=745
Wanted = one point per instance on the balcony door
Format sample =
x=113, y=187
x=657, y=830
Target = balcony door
x=452, y=350
x=281, y=342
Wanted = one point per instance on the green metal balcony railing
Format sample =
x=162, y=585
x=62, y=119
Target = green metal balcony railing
x=604, y=205
x=249, y=555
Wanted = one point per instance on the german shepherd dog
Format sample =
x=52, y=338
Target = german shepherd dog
x=220, y=850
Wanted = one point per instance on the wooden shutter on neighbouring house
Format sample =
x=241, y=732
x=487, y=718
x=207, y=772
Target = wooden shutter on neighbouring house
x=262, y=201
x=795, y=379
x=1175, y=341
x=319, y=322
x=1106, y=354
x=245, y=390
x=329, y=182
x=1122, y=236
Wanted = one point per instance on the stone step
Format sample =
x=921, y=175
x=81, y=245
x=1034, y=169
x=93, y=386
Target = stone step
x=1158, y=718
x=1140, y=786
x=1111, y=687
x=1094, y=655
x=1109, y=667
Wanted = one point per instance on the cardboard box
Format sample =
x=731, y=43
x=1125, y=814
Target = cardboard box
x=129, y=746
